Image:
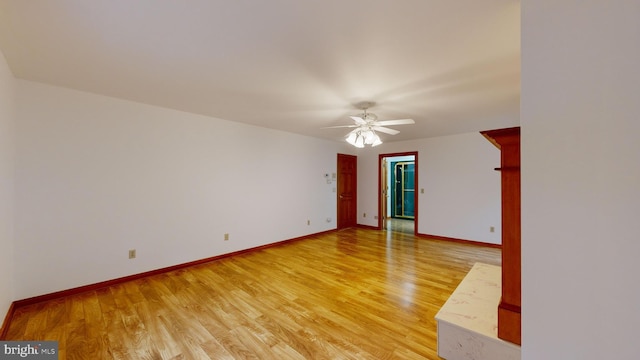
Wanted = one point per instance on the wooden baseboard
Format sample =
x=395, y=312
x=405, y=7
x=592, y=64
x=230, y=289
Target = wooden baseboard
x=461, y=241
x=7, y=320
x=103, y=284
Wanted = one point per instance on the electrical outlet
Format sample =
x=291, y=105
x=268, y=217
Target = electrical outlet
x=132, y=254
x=364, y=215
x=492, y=229
x=308, y=222
x=226, y=236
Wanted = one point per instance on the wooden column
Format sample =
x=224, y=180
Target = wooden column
x=508, y=141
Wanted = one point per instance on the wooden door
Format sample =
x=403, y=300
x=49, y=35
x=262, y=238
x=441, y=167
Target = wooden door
x=347, y=190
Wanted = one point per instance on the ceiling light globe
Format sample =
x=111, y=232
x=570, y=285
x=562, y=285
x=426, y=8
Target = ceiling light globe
x=351, y=138
x=369, y=137
x=376, y=141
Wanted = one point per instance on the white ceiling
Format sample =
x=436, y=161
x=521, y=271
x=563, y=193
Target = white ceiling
x=294, y=65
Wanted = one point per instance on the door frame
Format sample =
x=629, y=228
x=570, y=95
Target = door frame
x=382, y=183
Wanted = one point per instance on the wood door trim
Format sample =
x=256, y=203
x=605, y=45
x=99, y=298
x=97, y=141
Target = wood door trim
x=415, y=180
x=509, y=312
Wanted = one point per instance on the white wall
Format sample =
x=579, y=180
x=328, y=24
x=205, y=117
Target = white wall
x=7, y=136
x=98, y=176
x=461, y=188
x=580, y=120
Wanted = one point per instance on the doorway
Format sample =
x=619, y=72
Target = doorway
x=398, y=195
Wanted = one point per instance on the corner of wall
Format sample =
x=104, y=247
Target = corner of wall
x=7, y=156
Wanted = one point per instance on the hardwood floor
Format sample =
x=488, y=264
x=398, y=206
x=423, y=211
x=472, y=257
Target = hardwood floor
x=401, y=225
x=351, y=294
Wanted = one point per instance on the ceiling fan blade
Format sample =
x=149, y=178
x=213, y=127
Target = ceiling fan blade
x=340, y=126
x=358, y=120
x=385, y=130
x=395, y=122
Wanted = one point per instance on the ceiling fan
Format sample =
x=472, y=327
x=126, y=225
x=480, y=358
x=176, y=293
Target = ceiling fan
x=366, y=125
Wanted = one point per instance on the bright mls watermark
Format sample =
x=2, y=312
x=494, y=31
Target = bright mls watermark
x=35, y=350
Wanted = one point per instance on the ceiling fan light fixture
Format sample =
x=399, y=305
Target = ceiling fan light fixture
x=363, y=136
x=366, y=125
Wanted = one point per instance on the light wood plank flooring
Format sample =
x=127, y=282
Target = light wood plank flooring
x=401, y=225
x=351, y=294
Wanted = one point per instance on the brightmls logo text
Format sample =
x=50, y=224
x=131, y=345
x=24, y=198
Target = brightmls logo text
x=35, y=350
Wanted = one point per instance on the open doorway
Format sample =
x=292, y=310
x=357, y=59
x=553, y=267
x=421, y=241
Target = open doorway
x=398, y=196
